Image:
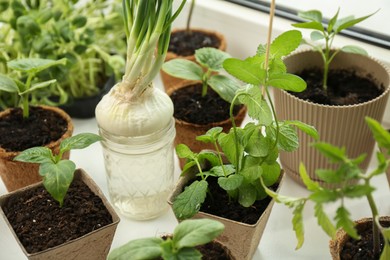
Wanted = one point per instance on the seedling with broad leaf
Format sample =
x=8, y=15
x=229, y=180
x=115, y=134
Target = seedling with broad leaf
x=207, y=69
x=181, y=245
x=57, y=173
x=30, y=67
x=348, y=181
x=251, y=151
x=327, y=34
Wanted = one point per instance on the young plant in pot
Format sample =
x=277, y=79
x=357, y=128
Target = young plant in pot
x=61, y=29
x=203, y=100
x=224, y=184
x=350, y=85
x=28, y=126
x=184, y=43
x=135, y=118
x=192, y=240
x=367, y=238
x=64, y=216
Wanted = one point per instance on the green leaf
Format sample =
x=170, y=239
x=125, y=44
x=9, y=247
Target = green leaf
x=211, y=58
x=323, y=221
x=344, y=221
x=354, y=49
x=139, y=249
x=224, y=86
x=184, y=69
x=187, y=254
x=333, y=21
x=329, y=176
x=287, y=138
x=188, y=203
x=221, y=170
x=308, y=129
x=228, y=145
x=183, y=151
x=381, y=136
x=209, y=156
x=38, y=86
x=333, y=153
x=316, y=36
x=310, y=185
x=288, y=82
x=285, y=43
x=311, y=15
x=258, y=145
x=7, y=84
x=35, y=155
x=249, y=70
x=195, y=232
x=358, y=191
x=271, y=173
x=323, y=195
x=349, y=22
x=57, y=178
x=247, y=195
x=79, y=141
x=211, y=136
x=34, y=65
x=231, y=182
x=251, y=173
x=258, y=108
x=310, y=25
x=297, y=222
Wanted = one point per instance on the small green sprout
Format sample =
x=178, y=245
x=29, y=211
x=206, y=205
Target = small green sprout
x=57, y=173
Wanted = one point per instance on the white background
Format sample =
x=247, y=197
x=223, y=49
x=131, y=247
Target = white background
x=244, y=29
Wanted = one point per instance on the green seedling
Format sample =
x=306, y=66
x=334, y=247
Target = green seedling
x=209, y=61
x=57, y=173
x=29, y=67
x=327, y=34
x=349, y=182
x=186, y=236
x=251, y=151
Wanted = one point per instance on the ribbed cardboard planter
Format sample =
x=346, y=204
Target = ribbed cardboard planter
x=336, y=245
x=94, y=245
x=242, y=239
x=187, y=132
x=338, y=125
x=169, y=81
x=16, y=175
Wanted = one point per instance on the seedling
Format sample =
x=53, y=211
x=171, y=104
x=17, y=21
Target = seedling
x=57, y=173
x=335, y=26
x=30, y=67
x=349, y=182
x=251, y=151
x=209, y=61
x=186, y=236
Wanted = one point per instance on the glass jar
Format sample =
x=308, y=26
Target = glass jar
x=140, y=171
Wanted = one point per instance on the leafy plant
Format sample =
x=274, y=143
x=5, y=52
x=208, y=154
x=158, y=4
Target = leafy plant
x=209, y=61
x=57, y=173
x=335, y=26
x=251, y=151
x=56, y=29
x=349, y=181
x=29, y=67
x=186, y=236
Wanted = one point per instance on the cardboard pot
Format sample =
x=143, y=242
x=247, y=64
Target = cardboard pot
x=336, y=245
x=16, y=175
x=169, y=81
x=338, y=125
x=187, y=132
x=242, y=239
x=94, y=245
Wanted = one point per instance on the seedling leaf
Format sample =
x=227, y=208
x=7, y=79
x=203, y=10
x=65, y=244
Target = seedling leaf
x=188, y=203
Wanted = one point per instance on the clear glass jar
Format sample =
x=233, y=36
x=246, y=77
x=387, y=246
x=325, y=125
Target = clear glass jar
x=140, y=171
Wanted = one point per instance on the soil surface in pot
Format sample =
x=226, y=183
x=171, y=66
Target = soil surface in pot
x=40, y=128
x=40, y=223
x=221, y=205
x=190, y=106
x=344, y=88
x=184, y=43
x=361, y=249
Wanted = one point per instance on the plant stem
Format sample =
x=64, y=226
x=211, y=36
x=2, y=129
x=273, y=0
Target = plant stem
x=235, y=130
x=375, y=229
x=190, y=16
x=26, y=112
x=205, y=83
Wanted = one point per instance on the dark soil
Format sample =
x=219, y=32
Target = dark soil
x=361, y=249
x=220, y=205
x=185, y=43
x=190, y=106
x=40, y=223
x=39, y=129
x=344, y=88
